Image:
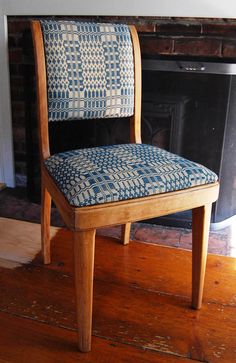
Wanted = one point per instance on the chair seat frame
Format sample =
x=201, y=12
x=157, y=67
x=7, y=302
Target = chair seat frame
x=84, y=221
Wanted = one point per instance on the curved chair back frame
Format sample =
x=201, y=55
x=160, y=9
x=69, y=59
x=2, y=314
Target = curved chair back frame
x=135, y=120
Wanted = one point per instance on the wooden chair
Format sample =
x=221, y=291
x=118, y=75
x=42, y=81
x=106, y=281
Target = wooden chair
x=89, y=70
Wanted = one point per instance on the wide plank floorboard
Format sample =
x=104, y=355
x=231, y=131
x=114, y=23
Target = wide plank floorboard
x=27, y=341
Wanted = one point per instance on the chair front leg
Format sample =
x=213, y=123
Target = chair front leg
x=45, y=224
x=200, y=228
x=84, y=245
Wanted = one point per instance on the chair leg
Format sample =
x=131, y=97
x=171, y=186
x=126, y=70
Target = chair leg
x=45, y=225
x=84, y=245
x=125, y=233
x=200, y=229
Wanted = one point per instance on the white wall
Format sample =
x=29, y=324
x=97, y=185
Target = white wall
x=194, y=8
x=179, y=8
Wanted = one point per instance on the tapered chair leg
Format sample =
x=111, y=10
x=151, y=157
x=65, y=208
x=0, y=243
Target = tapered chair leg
x=125, y=233
x=45, y=224
x=200, y=229
x=84, y=245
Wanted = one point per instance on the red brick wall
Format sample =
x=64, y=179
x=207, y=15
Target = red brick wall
x=158, y=36
x=196, y=37
x=16, y=60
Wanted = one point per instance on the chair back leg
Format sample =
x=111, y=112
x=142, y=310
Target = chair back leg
x=45, y=224
x=84, y=246
x=125, y=233
x=200, y=229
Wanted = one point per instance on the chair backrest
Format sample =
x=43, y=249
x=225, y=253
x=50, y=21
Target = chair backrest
x=86, y=71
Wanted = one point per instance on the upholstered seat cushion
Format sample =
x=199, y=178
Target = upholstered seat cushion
x=120, y=172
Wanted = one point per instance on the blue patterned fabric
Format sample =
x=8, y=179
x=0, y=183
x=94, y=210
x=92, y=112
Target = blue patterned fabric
x=90, y=71
x=120, y=172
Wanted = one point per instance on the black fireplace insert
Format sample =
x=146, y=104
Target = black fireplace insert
x=199, y=100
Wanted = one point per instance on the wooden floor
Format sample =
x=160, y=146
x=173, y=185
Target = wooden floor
x=141, y=302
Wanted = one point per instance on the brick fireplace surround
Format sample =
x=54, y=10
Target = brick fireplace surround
x=159, y=36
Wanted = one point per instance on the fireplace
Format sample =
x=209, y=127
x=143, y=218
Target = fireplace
x=205, y=126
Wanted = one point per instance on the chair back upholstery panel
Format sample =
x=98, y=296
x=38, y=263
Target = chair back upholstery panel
x=90, y=70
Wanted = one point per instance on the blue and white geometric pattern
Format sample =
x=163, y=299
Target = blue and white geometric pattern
x=120, y=172
x=90, y=70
